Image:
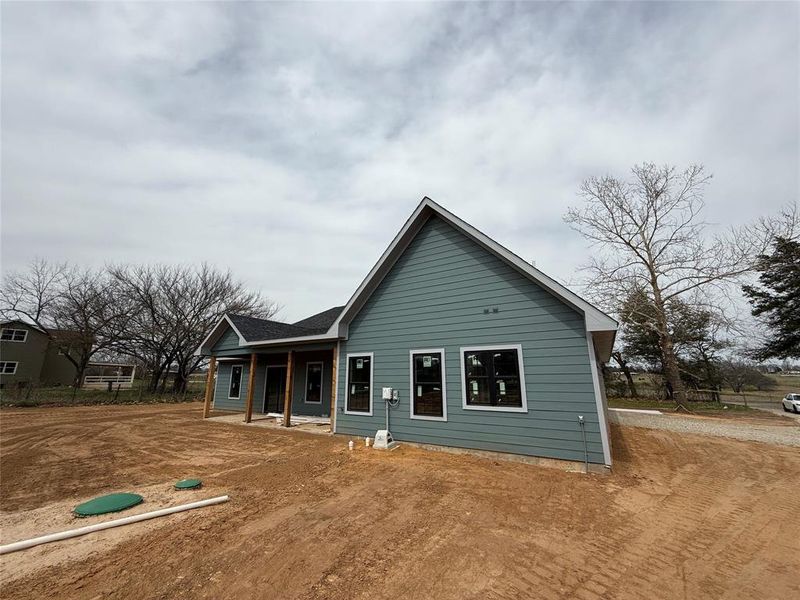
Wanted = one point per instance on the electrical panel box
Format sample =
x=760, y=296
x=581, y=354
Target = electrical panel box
x=388, y=393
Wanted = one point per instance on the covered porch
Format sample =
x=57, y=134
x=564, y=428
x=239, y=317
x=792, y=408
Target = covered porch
x=289, y=385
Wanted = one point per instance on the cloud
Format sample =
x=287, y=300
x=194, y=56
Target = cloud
x=289, y=142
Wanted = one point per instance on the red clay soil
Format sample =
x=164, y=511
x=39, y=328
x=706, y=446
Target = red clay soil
x=681, y=516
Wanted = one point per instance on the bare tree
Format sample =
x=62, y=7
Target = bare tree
x=75, y=308
x=651, y=237
x=31, y=295
x=89, y=317
x=173, y=308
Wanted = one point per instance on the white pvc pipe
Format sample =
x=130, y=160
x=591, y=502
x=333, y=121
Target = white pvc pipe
x=63, y=535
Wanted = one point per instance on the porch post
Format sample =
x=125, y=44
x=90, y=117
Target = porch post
x=251, y=380
x=209, y=386
x=287, y=401
x=333, y=388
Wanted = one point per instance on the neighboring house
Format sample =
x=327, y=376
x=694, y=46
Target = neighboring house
x=29, y=357
x=483, y=349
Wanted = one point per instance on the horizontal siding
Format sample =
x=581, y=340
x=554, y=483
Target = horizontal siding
x=221, y=400
x=434, y=297
x=299, y=406
x=229, y=340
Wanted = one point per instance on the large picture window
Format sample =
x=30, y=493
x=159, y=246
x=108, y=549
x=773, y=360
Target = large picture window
x=314, y=383
x=235, y=389
x=359, y=384
x=428, y=392
x=493, y=378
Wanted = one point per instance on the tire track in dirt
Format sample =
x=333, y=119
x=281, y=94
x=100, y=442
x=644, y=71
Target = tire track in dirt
x=681, y=516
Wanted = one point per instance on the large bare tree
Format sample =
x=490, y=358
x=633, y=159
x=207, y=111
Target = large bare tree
x=650, y=236
x=173, y=308
x=75, y=308
x=157, y=314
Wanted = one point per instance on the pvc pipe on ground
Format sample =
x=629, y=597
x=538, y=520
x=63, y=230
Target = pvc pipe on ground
x=641, y=411
x=63, y=535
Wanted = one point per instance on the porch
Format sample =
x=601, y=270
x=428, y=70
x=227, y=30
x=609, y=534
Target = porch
x=291, y=386
x=320, y=425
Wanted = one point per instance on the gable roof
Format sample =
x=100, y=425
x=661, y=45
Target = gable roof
x=332, y=324
x=596, y=320
x=254, y=331
x=322, y=321
x=22, y=323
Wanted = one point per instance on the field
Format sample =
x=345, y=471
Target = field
x=681, y=516
x=764, y=399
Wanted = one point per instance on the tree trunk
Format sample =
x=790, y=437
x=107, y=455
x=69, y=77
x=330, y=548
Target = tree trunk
x=80, y=369
x=671, y=371
x=179, y=383
x=155, y=379
x=623, y=364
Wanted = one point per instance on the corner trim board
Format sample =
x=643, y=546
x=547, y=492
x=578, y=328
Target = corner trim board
x=601, y=413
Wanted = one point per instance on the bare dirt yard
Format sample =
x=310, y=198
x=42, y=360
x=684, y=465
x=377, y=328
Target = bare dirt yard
x=682, y=515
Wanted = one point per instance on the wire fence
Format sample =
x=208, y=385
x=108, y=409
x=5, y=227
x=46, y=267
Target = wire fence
x=137, y=393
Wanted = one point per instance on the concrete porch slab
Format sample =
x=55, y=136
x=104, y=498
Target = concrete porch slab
x=320, y=425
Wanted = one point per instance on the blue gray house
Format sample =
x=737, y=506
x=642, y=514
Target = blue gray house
x=483, y=350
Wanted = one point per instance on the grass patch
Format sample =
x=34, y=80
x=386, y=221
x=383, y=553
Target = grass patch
x=66, y=396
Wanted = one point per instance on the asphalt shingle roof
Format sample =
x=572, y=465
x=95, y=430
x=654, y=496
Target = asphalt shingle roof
x=321, y=321
x=255, y=330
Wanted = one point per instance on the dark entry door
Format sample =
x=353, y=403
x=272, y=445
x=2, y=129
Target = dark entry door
x=275, y=389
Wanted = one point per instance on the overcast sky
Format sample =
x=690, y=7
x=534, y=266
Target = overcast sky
x=289, y=142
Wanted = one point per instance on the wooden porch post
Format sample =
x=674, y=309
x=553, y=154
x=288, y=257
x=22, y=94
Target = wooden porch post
x=209, y=387
x=287, y=401
x=251, y=380
x=333, y=388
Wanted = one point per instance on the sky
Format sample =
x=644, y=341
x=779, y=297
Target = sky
x=290, y=142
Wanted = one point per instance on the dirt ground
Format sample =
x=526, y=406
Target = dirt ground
x=681, y=516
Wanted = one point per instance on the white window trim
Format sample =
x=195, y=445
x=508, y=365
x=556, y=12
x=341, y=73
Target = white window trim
x=514, y=409
x=411, y=353
x=371, y=356
x=9, y=362
x=321, y=382
x=12, y=329
x=230, y=381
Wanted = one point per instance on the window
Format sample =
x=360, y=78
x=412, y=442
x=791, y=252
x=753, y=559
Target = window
x=14, y=335
x=358, y=384
x=236, y=382
x=314, y=383
x=428, y=392
x=493, y=378
x=8, y=367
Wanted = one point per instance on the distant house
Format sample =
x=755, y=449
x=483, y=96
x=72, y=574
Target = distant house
x=28, y=356
x=481, y=350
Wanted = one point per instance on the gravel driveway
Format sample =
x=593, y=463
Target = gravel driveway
x=769, y=434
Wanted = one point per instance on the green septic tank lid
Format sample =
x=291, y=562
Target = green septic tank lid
x=107, y=504
x=188, y=484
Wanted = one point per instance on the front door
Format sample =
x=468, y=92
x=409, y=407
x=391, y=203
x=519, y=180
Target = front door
x=274, y=391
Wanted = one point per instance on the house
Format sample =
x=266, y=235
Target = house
x=483, y=351
x=29, y=356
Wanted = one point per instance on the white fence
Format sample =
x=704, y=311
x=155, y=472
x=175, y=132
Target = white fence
x=101, y=381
